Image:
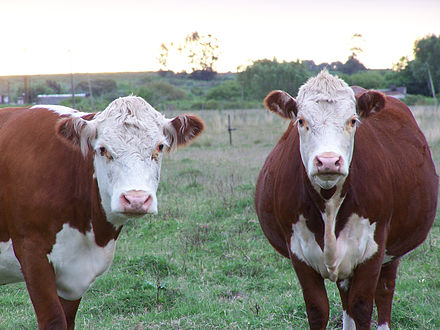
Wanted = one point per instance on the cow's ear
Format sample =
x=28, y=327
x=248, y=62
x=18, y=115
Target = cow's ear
x=77, y=132
x=358, y=90
x=182, y=129
x=369, y=103
x=282, y=104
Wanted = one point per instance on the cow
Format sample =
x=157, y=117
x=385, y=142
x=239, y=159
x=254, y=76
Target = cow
x=69, y=181
x=346, y=192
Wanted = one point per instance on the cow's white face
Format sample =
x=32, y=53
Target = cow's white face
x=128, y=139
x=325, y=114
x=326, y=129
x=127, y=167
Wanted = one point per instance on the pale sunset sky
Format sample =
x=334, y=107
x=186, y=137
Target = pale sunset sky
x=63, y=36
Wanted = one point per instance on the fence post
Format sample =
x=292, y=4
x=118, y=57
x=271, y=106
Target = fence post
x=230, y=129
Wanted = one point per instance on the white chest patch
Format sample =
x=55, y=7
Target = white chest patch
x=341, y=255
x=78, y=261
x=10, y=270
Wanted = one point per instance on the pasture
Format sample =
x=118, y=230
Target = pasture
x=203, y=261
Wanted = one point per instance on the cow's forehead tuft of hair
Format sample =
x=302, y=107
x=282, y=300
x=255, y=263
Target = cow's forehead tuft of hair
x=325, y=87
x=131, y=111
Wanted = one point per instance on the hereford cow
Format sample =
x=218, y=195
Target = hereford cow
x=68, y=182
x=347, y=191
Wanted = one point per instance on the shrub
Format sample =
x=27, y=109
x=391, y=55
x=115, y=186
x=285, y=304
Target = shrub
x=229, y=90
x=159, y=92
x=366, y=79
x=418, y=100
x=98, y=86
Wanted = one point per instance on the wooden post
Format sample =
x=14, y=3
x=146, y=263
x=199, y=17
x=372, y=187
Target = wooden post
x=73, y=90
x=230, y=129
x=90, y=91
x=25, y=98
x=29, y=88
x=431, y=84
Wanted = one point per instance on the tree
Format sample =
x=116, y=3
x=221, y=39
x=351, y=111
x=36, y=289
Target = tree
x=202, y=51
x=418, y=74
x=352, y=65
x=99, y=86
x=263, y=76
x=163, y=57
x=311, y=66
x=54, y=85
x=403, y=74
x=197, y=54
x=356, y=48
x=427, y=61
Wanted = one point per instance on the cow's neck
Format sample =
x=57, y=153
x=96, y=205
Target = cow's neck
x=329, y=202
x=332, y=254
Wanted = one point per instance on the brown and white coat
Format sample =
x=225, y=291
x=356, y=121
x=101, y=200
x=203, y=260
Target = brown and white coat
x=68, y=182
x=349, y=188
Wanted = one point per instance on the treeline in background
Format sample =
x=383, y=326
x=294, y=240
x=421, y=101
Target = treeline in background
x=203, y=88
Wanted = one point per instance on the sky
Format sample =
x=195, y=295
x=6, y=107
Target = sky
x=63, y=36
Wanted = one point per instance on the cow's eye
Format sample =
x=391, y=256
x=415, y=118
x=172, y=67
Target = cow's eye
x=300, y=121
x=353, y=122
x=104, y=152
x=157, y=151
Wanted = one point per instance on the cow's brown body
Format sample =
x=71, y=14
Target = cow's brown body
x=392, y=182
x=51, y=208
x=44, y=183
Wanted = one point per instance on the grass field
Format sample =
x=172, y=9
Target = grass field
x=204, y=262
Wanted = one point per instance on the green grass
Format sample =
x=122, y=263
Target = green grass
x=204, y=262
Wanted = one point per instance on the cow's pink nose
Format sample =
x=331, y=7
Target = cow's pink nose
x=328, y=163
x=136, y=201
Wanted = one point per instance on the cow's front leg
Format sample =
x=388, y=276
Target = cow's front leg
x=347, y=321
x=359, y=299
x=384, y=293
x=70, y=308
x=315, y=295
x=40, y=282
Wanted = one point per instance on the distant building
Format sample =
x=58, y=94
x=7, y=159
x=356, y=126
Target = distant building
x=4, y=99
x=397, y=92
x=57, y=98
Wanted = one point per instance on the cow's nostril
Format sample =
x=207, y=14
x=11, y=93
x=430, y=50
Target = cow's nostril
x=125, y=200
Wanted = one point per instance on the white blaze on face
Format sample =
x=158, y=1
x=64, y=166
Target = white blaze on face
x=128, y=154
x=127, y=140
x=326, y=122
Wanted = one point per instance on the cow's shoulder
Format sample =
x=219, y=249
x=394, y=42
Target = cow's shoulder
x=283, y=193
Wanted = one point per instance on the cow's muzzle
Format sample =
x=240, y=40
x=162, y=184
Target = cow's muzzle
x=328, y=163
x=136, y=202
